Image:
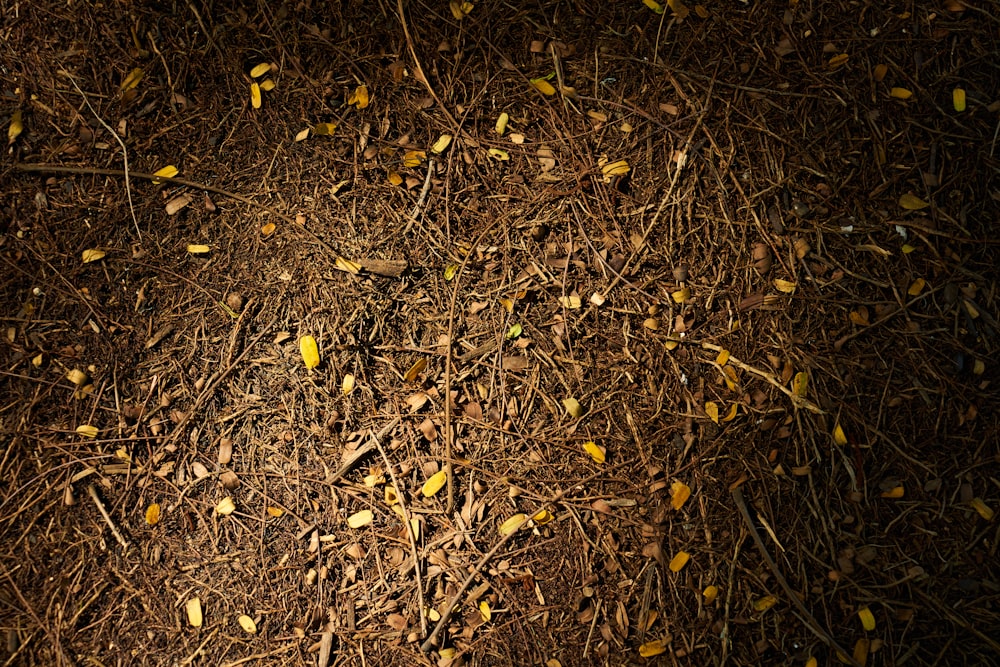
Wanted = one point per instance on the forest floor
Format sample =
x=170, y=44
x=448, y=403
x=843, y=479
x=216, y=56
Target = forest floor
x=643, y=335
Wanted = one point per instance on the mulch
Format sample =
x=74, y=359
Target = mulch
x=644, y=334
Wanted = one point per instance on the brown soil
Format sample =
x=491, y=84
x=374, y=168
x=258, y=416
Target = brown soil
x=788, y=305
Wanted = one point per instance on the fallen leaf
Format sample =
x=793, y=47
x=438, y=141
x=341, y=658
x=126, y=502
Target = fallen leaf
x=268, y=228
x=765, y=603
x=87, y=431
x=267, y=85
x=167, y=172
x=722, y=358
x=901, y=93
x=511, y=524
x=275, y=512
x=785, y=286
x=502, y=121
x=194, y=613
x=596, y=452
x=153, y=514
x=359, y=97
x=867, y=618
x=226, y=506
x=310, y=351
x=415, y=370
x=712, y=410
x=485, y=612
x=499, y=154
x=247, y=624
x=911, y=202
x=441, y=144
x=880, y=71
x=324, y=129
x=653, y=648
x=612, y=169
x=731, y=414
x=302, y=135
x=394, y=178
x=460, y=9
x=838, y=435
x=413, y=158
x=541, y=517
x=837, y=60
x=800, y=384
x=678, y=562
x=679, y=9
x=982, y=508
x=198, y=249
x=434, y=483
x=543, y=86
x=360, y=519
x=573, y=407
x=260, y=70
x=255, y=99
x=15, y=128
x=679, y=494
x=347, y=384
x=917, y=287
x=92, y=255
x=681, y=295
x=515, y=330
x=133, y=79
x=655, y=6
x=859, y=316
x=710, y=593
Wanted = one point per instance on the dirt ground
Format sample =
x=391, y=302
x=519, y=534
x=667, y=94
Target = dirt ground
x=644, y=335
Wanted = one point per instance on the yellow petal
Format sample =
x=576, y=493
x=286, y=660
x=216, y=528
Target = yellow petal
x=710, y=593
x=731, y=414
x=653, y=648
x=800, y=384
x=255, y=99
x=681, y=295
x=193, y=608
x=415, y=370
x=485, y=612
x=87, y=431
x=655, y=6
x=92, y=255
x=765, y=603
x=167, y=172
x=678, y=562
x=917, y=287
x=153, y=514
x=324, y=129
x=880, y=71
x=911, y=202
x=611, y=169
x=573, y=407
x=247, y=624
x=499, y=154
x=984, y=510
x=786, y=286
x=511, y=524
x=133, y=79
x=679, y=494
x=360, y=519
x=276, y=512
x=347, y=384
x=15, y=128
x=310, y=351
x=901, y=93
x=260, y=70
x=267, y=84
x=460, y=9
x=958, y=99
x=226, y=506
x=347, y=266
x=268, y=228
x=502, y=121
x=712, y=410
x=839, y=436
x=541, y=517
x=198, y=248
x=543, y=86
x=434, y=483
x=867, y=618
x=395, y=179
x=722, y=358
x=441, y=144
x=595, y=451
x=413, y=158
x=679, y=8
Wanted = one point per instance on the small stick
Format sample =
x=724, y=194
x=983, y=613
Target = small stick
x=325, y=648
x=362, y=451
x=797, y=401
x=809, y=619
x=424, y=191
x=107, y=517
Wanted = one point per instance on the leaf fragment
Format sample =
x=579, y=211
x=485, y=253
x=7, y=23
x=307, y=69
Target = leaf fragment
x=800, y=384
x=710, y=593
x=682, y=295
x=167, y=172
x=837, y=61
x=460, y=9
x=679, y=494
x=880, y=71
x=597, y=453
x=679, y=9
x=511, y=524
x=267, y=85
x=275, y=512
x=153, y=514
x=917, y=287
x=722, y=358
x=612, y=169
x=302, y=135
x=268, y=228
x=434, y=483
x=324, y=129
x=653, y=5
x=415, y=370
x=309, y=350
x=515, y=330
x=731, y=413
x=92, y=255
x=911, y=202
x=360, y=519
x=247, y=624
x=499, y=154
x=786, y=286
x=485, y=612
x=543, y=86
x=895, y=492
x=541, y=517
x=765, y=603
x=867, y=618
x=194, y=612
x=347, y=384
x=678, y=562
x=413, y=159
x=573, y=407
x=571, y=302
x=255, y=98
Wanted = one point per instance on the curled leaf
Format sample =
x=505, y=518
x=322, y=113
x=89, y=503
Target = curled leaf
x=460, y=9
x=413, y=158
x=911, y=202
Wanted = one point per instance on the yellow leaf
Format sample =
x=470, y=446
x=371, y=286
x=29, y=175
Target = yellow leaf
x=77, y=377
x=15, y=128
x=167, y=172
x=958, y=99
x=982, y=508
x=441, y=144
x=653, y=648
x=672, y=343
x=679, y=494
x=867, y=618
x=511, y=524
x=226, y=506
x=302, y=135
x=730, y=377
x=571, y=302
x=268, y=228
x=812, y=662
x=859, y=317
x=247, y=624
x=880, y=71
x=894, y=492
x=596, y=452
x=912, y=202
x=541, y=517
x=861, y=651
x=360, y=519
x=198, y=249
x=485, y=612
x=979, y=367
x=765, y=603
x=786, y=286
x=133, y=79
x=681, y=295
x=460, y=9
x=415, y=370
x=573, y=407
x=276, y=512
x=347, y=384
x=153, y=514
x=434, y=483
x=260, y=70
x=679, y=8
x=710, y=593
x=359, y=97
x=917, y=287
x=194, y=614
x=499, y=154
x=92, y=255
x=800, y=384
x=837, y=60
x=255, y=100
x=309, y=350
x=502, y=121
x=87, y=431
x=838, y=435
x=508, y=304
x=324, y=129
x=678, y=562
x=722, y=358
x=731, y=414
x=267, y=85
x=413, y=158
x=655, y=6
x=543, y=86
x=395, y=179
x=901, y=93
x=612, y=169
x=907, y=248
x=347, y=266
x=450, y=271
x=712, y=410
